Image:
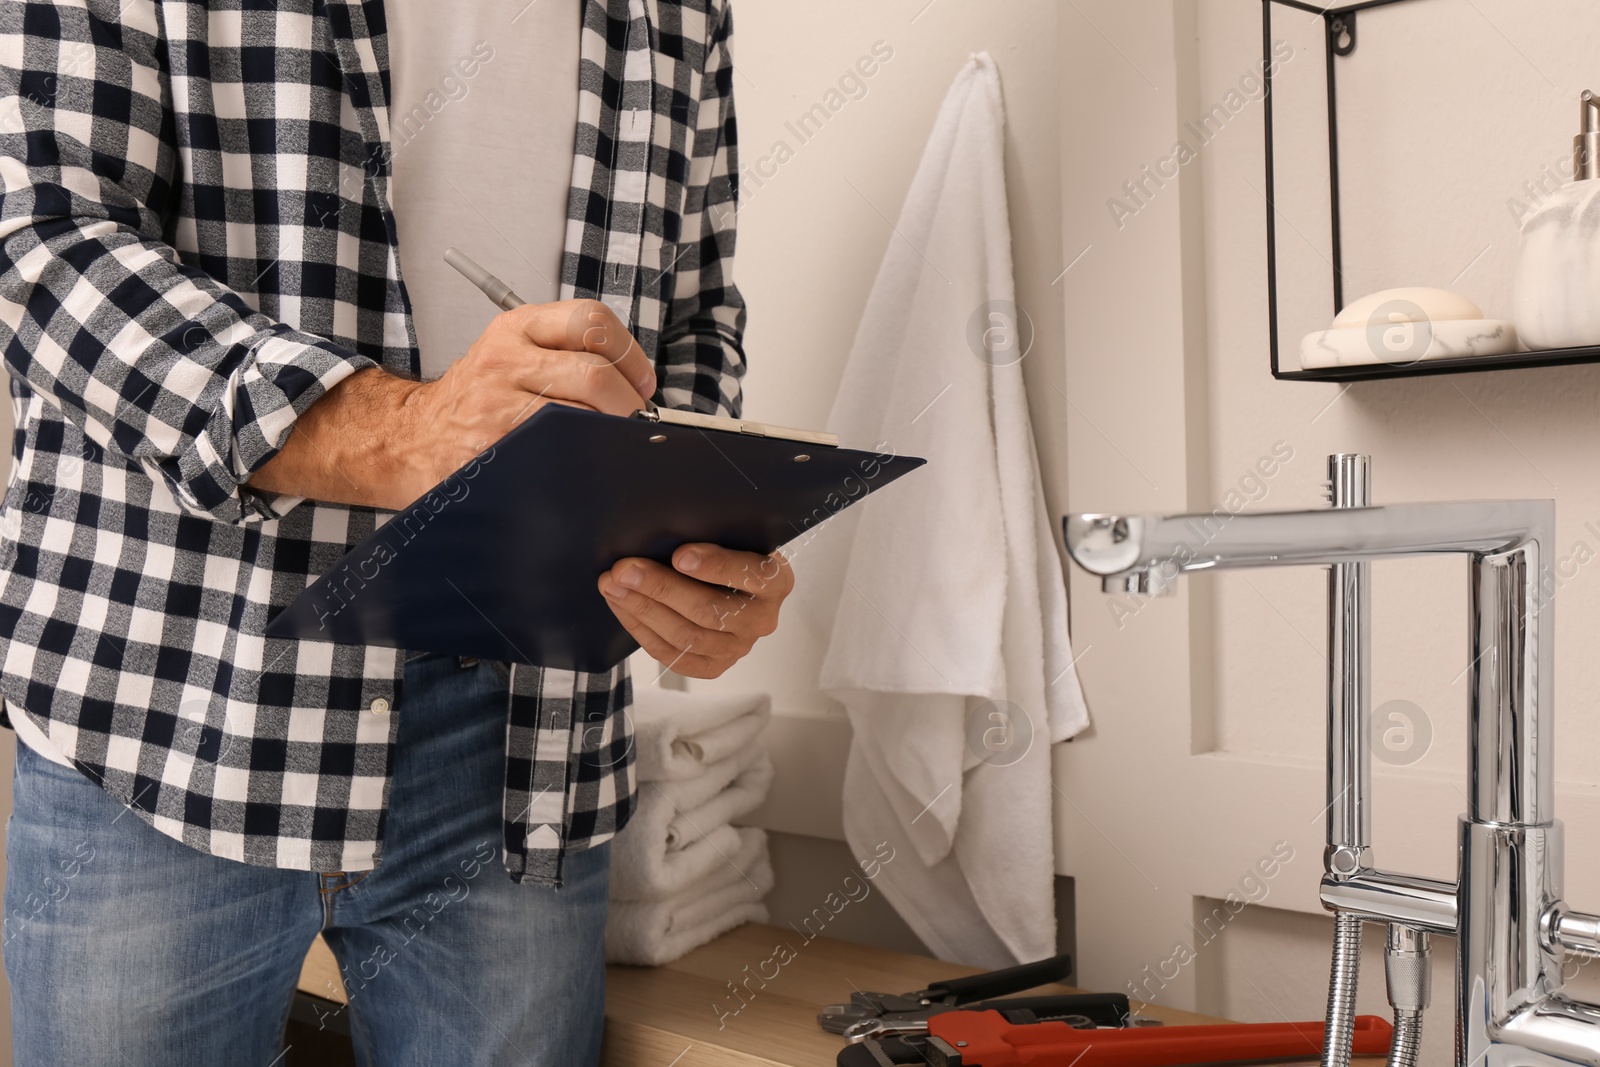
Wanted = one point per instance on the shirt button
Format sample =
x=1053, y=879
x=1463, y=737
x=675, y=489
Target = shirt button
x=379, y=706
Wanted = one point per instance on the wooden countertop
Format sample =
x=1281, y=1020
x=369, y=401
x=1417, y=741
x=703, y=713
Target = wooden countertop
x=685, y=1009
x=685, y=1014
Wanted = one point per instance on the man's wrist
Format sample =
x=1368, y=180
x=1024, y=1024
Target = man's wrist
x=365, y=442
x=412, y=458
x=383, y=427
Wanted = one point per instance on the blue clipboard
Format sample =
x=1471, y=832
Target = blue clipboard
x=501, y=559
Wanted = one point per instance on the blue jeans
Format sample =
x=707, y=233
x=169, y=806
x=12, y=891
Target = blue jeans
x=129, y=949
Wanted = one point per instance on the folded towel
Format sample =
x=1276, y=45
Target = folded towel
x=673, y=843
x=730, y=788
x=655, y=932
x=677, y=735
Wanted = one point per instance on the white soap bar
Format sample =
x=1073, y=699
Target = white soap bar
x=1413, y=304
x=1404, y=343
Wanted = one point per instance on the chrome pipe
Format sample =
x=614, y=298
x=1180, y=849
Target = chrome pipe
x=1349, y=777
x=1510, y=770
x=1573, y=931
x=1349, y=773
x=1175, y=544
x=1555, y=1030
x=1380, y=896
x=1511, y=778
x=1505, y=969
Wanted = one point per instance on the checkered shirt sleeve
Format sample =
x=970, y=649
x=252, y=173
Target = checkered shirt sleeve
x=149, y=358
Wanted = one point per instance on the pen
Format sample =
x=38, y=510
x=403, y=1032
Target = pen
x=495, y=289
x=492, y=287
x=504, y=299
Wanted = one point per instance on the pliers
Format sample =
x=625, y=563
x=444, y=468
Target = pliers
x=879, y=1015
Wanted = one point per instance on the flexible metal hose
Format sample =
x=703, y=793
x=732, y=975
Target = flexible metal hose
x=1342, y=990
x=1407, y=1038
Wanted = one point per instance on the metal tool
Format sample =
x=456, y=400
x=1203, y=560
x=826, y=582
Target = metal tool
x=950, y=993
x=911, y=1047
x=1085, y=1011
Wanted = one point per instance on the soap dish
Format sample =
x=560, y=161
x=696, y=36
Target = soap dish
x=1399, y=344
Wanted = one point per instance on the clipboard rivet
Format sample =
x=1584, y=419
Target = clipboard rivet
x=802, y=458
x=657, y=438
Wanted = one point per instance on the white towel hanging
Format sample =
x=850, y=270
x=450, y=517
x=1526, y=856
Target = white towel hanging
x=951, y=626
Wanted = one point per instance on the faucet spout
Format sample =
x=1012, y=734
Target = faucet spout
x=1118, y=545
x=1508, y=916
x=1507, y=544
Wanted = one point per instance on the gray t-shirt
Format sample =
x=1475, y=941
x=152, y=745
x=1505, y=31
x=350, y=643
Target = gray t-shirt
x=483, y=119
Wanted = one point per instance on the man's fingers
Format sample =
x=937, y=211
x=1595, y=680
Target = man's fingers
x=588, y=326
x=714, y=607
x=698, y=624
x=569, y=376
x=686, y=662
x=698, y=627
x=749, y=572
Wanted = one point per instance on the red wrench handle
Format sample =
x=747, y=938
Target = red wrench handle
x=986, y=1039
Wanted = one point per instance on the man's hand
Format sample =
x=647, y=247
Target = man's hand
x=382, y=441
x=574, y=352
x=704, y=613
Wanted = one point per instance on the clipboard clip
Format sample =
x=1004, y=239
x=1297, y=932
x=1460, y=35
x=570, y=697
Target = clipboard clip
x=677, y=417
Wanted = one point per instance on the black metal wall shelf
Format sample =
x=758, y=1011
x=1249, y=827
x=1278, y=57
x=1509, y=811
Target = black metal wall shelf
x=1339, y=38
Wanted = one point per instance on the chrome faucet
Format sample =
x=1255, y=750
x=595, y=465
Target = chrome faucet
x=1505, y=908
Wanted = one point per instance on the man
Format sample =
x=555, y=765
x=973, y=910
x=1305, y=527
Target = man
x=223, y=380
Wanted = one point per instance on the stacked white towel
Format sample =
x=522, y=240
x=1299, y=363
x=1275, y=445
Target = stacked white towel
x=678, y=735
x=681, y=872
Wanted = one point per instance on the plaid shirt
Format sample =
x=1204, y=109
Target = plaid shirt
x=195, y=245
